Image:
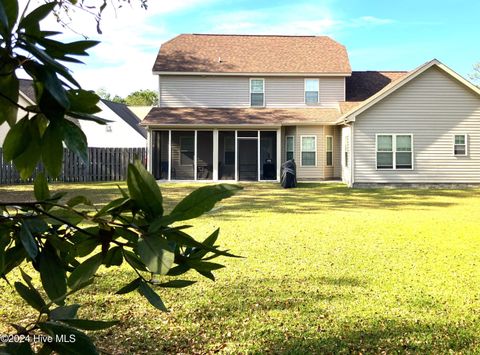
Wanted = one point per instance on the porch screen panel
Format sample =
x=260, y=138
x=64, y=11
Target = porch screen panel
x=160, y=154
x=226, y=155
x=204, y=155
x=268, y=155
x=183, y=152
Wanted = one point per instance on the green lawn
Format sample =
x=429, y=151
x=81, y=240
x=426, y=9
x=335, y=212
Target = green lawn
x=327, y=270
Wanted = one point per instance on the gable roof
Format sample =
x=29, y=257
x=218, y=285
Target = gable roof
x=122, y=111
x=395, y=85
x=213, y=53
x=26, y=87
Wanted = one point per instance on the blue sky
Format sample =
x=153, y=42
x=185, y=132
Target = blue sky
x=379, y=35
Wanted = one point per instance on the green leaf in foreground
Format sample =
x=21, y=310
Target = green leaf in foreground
x=32, y=297
x=85, y=271
x=152, y=297
x=156, y=254
x=40, y=188
x=132, y=286
x=78, y=343
x=52, y=275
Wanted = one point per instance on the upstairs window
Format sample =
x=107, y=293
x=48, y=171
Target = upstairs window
x=460, y=145
x=309, y=150
x=329, y=150
x=289, y=149
x=311, y=91
x=394, y=151
x=257, y=92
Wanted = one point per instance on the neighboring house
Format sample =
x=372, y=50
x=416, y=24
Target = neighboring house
x=234, y=107
x=123, y=130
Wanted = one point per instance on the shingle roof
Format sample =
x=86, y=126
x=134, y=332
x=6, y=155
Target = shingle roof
x=26, y=86
x=363, y=84
x=235, y=116
x=127, y=115
x=252, y=54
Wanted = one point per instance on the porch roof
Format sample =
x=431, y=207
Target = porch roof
x=168, y=116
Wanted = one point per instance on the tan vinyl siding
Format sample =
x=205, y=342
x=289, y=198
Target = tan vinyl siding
x=197, y=91
x=310, y=172
x=433, y=107
x=234, y=91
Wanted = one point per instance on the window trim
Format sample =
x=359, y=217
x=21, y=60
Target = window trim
x=301, y=150
x=347, y=151
x=286, y=146
x=250, y=90
x=328, y=151
x=305, y=91
x=466, y=144
x=394, y=151
x=181, y=151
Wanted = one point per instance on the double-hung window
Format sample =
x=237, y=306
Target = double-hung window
x=257, y=92
x=329, y=150
x=308, y=150
x=394, y=151
x=289, y=147
x=460, y=145
x=311, y=91
x=187, y=144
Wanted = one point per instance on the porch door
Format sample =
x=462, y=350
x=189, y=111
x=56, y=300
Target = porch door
x=248, y=159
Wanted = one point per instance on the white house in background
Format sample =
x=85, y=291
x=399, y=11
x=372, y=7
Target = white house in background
x=123, y=130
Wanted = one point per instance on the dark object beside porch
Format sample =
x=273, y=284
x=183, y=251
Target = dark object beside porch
x=289, y=174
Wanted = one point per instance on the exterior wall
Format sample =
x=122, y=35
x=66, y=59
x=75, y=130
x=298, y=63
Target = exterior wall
x=4, y=127
x=234, y=91
x=433, y=107
x=306, y=173
x=121, y=136
x=337, y=152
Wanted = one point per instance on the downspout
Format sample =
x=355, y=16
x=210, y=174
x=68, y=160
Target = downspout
x=352, y=153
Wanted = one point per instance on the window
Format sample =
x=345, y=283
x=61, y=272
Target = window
x=257, y=92
x=309, y=150
x=329, y=151
x=186, y=150
x=311, y=91
x=289, y=147
x=394, y=151
x=460, y=145
x=347, y=151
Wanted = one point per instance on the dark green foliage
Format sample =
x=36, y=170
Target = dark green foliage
x=65, y=244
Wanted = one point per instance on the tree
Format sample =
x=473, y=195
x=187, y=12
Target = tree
x=61, y=237
x=105, y=95
x=475, y=75
x=142, y=98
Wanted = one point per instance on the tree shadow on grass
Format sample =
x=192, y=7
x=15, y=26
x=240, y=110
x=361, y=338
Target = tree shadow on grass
x=379, y=336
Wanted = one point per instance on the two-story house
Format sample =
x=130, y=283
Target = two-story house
x=234, y=107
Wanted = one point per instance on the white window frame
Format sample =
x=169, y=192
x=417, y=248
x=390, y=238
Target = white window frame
x=250, y=90
x=394, y=151
x=328, y=151
x=309, y=151
x=466, y=145
x=305, y=91
x=286, y=146
x=180, y=150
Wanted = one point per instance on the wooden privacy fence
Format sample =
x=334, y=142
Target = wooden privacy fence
x=105, y=164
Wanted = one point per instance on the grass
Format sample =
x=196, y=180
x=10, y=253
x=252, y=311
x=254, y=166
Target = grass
x=327, y=270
